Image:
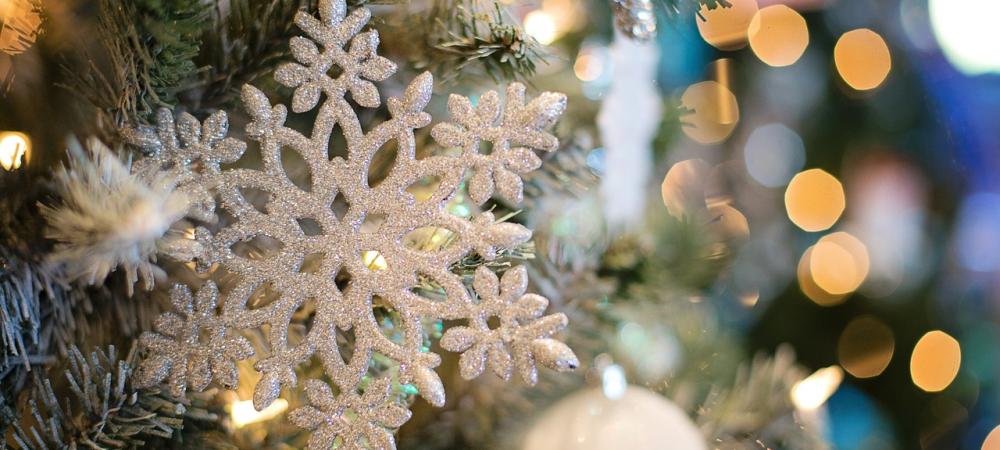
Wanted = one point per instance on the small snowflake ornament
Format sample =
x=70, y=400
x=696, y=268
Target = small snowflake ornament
x=180, y=353
x=321, y=245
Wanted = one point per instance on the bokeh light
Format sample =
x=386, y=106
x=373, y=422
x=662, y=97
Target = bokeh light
x=866, y=346
x=567, y=15
x=15, y=150
x=774, y=154
x=992, y=441
x=862, y=59
x=726, y=28
x=651, y=349
x=977, y=240
x=809, y=287
x=594, y=68
x=813, y=391
x=814, y=200
x=540, y=25
x=683, y=187
x=243, y=413
x=715, y=112
x=588, y=66
x=968, y=33
x=888, y=213
x=778, y=35
x=839, y=263
x=935, y=361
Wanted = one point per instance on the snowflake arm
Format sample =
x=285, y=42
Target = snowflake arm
x=178, y=352
x=522, y=330
x=314, y=254
x=520, y=125
x=189, y=151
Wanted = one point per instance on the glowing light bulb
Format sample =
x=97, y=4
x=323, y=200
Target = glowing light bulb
x=588, y=66
x=541, y=26
x=814, y=200
x=778, y=35
x=243, y=413
x=839, y=263
x=714, y=112
x=935, y=361
x=992, y=441
x=374, y=260
x=862, y=59
x=14, y=150
x=968, y=33
x=812, y=392
x=726, y=28
x=807, y=283
x=613, y=382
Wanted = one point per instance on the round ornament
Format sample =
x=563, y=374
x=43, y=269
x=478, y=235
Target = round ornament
x=637, y=419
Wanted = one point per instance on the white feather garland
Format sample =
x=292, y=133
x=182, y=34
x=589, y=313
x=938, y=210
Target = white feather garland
x=109, y=218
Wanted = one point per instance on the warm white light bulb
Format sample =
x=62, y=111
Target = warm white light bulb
x=968, y=34
x=374, y=260
x=812, y=392
x=541, y=26
x=243, y=413
x=13, y=150
x=613, y=381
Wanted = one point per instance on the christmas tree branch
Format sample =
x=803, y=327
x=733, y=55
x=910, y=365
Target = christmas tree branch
x=150, y=46
x=467, y=38
x=104, y=409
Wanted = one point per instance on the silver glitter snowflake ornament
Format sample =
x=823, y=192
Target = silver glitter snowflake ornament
x=321, y=244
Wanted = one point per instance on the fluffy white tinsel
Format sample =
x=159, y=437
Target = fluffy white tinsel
x=109, y=218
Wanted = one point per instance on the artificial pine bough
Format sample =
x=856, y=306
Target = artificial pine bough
x=318, y=263
x=104, y=409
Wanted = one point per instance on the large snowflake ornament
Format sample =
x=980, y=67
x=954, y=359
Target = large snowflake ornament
x=322, y=246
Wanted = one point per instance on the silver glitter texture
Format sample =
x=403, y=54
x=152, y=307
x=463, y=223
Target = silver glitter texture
x=359, y=414
x=195, y=346
x=635, y=18
x=189, y=152
x=522, y=331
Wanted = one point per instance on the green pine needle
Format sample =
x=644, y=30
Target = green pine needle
x=466, y=39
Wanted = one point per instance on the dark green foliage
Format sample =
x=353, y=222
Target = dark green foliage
x=149, y=48
x=243, y=46
x=171, y=30
x=103, y=409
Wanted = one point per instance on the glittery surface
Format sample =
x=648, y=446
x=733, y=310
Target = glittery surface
x=354, y=416
x=635, y=18
x=180, y=353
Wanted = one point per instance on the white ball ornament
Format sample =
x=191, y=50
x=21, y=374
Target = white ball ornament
x=637, y=419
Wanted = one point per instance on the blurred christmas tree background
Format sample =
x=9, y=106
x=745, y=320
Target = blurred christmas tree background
x=771, y=223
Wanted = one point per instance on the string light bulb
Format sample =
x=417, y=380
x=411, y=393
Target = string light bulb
x=15, y=150
x=540, y=25
x=374, y=260
x=243, y=413
x=812, y=392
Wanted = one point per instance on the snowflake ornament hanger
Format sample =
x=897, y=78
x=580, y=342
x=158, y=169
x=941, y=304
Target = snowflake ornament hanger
x=201, y=341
